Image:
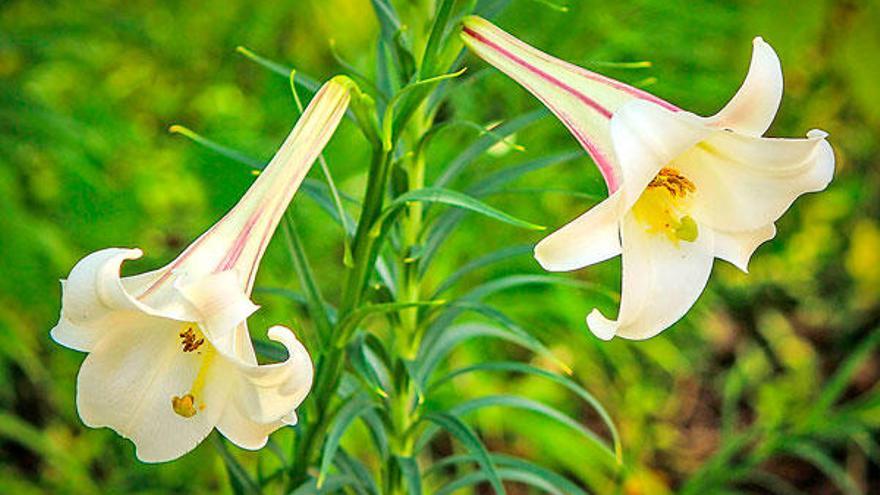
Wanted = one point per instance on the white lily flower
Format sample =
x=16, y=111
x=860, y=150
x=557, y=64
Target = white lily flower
x=683, y=189
x=169, y=354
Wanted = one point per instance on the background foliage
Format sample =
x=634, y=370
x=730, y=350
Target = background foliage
x=770, y=385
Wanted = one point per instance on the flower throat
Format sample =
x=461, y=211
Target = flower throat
x=664, y=204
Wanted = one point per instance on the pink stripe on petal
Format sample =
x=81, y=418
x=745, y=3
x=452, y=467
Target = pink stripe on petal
x=625, y=88
x=239, y=244
x=540, y=73
x=606, y=167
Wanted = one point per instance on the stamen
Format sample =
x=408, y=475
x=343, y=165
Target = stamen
x=184, y=406
x=677, y=184
x=191, y=403
x=663, y=205
x=189, y=339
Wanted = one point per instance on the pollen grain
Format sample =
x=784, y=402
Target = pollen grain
x=189, y=339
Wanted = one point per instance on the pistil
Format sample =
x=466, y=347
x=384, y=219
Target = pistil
x=192, y=340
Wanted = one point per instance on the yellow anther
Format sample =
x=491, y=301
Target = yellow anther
x=184, y=406
x=670, y=179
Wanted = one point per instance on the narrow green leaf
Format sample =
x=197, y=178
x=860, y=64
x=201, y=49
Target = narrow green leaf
x=411, y=97
x=460, y=200
x=432, y=353
x=537, y=191
x=226, y=151
x=288, y=294
x=353, y=71
x=438, y=33
x=357, y=357
x=482, y=262
x=516, y=281
x=317, y=191
x=387, y=78
x=543, y=477
x=389, y=23
x=773, y=483
x=410, y=470
x=348, y=325
x=558, y=7
x=332, y=485
x=458, y=429
x=320, y=194
x=241, y=481
x=836, y=385
x=343, y=419
x=490, y=8
x=517, y=402
x=276, y=449
x=495, y=181
x=314, y=300
x=376, y=427
x=471, y=300
x=640, y=64
x=836, y=473
x=566, y=382
x=353, y=468
x=308, y=83
x=475, y=150
x=434, y=131
x=448, y=221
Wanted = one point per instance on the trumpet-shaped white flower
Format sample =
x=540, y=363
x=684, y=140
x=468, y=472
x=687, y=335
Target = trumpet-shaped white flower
x=683, y=189
x=169, y=354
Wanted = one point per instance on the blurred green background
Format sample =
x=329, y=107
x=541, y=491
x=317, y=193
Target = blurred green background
x=89, y=89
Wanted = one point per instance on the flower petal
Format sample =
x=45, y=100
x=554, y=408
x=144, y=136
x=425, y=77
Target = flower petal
x=661, y=281
x=242, y=431
x=753, y=107
x=737, y=247
x=129, y=379
x=590, y=238
x=646, y=138
x=267, y=394
x=95, y=298
x=221, y=304
x=240, y=238
x=744, y=183
x=584, y=101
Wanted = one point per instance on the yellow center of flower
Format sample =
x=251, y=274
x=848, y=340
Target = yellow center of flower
x=191, y=341
x=663, y=206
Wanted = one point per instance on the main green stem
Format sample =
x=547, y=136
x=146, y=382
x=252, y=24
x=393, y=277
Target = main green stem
x=330, y=364
x=403, y=402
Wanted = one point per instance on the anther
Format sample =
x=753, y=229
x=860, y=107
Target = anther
x=188, y=339
x=184, y=406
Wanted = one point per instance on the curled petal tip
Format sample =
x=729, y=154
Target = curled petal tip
x=817, y=134
x=600, y=326
x=133, y=253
